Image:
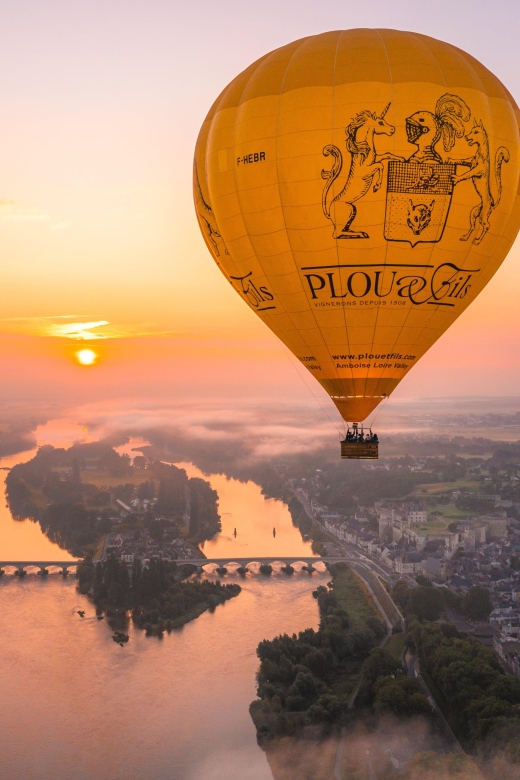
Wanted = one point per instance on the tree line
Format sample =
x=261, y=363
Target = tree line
x=428, y=603
x=481, y=702
x=156, y=595
x=301, y=680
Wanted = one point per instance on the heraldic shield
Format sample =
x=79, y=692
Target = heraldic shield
x=418, y=200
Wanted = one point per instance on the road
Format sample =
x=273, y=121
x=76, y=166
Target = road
x=380, y=569
x=413, y=668
x=340, y=547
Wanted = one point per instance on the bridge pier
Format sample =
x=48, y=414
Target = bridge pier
x=221, y=570
x=288, y=569
x=242, y=571
x=42, y=565
x=309, y=567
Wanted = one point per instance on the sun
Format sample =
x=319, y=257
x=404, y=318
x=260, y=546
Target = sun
x=86, y=357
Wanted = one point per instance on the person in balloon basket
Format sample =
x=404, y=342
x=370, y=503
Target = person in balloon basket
x=360, y=437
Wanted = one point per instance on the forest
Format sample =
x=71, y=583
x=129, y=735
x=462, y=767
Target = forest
x=480, y=701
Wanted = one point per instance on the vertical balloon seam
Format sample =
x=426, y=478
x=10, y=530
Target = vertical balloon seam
x=516, y=205
x=336, y=243
x=470, y=250
x=381, y=377
x=491, y=120
x=201, y=148
x=432, y=316
x=238, y=270
x=279, y=192
x=435, y=310
x=432, y=249
x=237, y=191
x=259, y=62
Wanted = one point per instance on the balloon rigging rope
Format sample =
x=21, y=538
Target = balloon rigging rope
x=376, y=415
x=284, y=348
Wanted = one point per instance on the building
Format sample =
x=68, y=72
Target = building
x=417, y=517
x=497, y=526
x=409, y=563
x=435, y=569
x=508, y=650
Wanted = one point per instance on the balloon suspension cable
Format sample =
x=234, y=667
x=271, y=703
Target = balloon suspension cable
x=377, y=411
x=287, y=353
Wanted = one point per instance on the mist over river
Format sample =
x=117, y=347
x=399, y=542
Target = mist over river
x=78, y=706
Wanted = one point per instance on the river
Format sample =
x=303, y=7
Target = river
x=76, y=705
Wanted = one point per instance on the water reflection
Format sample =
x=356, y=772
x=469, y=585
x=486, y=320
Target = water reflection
x=23, y=539
x=81, y=707
x=78, y=706
x=242, y=506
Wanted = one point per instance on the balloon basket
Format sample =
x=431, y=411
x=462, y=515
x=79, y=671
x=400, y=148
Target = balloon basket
x=359, y=451
x=360, y=446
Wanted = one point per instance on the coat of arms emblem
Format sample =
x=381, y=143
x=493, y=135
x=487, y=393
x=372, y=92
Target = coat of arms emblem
x=419, y=188
x=418, y=200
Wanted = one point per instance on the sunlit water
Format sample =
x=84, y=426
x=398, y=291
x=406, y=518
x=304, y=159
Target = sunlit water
x=77, y=706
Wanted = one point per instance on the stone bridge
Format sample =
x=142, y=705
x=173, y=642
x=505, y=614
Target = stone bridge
x=223, y=563
x=43, y=566
x=64, y=566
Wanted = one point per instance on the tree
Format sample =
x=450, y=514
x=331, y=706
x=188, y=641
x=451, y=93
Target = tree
x=326, y=598
x=426, y=603
x=431, y=766
x=401, y=593
x=379, y=664
x=145, y=490
x=476, y=604
x=403, y=696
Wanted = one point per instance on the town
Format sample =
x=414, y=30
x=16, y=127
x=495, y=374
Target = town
x=98, y=503
x=129, y=545
x=457, y=527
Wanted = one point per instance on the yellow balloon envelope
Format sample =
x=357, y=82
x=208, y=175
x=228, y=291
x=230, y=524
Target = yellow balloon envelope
x=358, y=189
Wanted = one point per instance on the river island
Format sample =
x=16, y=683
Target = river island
x=134, y=522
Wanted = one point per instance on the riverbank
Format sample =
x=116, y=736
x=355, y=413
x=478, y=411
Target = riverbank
x=305, y=682
x=180, y=703
x=305, y=715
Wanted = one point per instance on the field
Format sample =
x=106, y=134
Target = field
x=445, y=487
x=395, y=645
x=353, y=596
x=102, y=479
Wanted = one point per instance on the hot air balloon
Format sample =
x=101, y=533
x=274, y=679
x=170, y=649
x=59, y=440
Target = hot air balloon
x=358, y=189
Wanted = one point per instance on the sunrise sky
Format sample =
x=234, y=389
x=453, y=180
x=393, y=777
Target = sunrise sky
x=100, y=107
